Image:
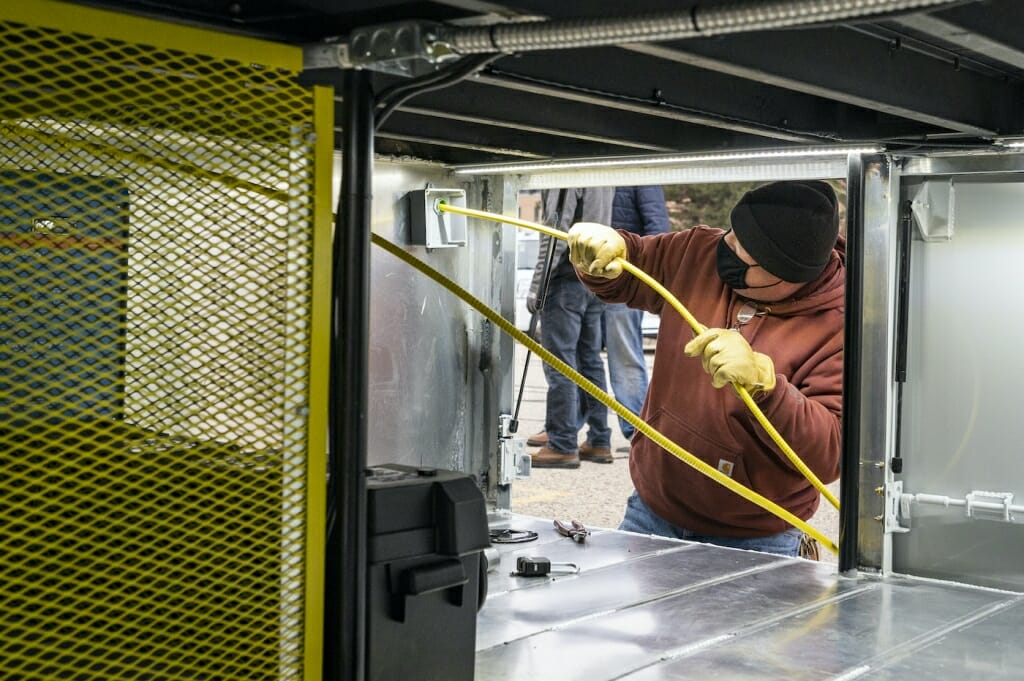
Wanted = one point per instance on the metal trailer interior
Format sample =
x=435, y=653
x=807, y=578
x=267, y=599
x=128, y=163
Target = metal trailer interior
x=241, y=342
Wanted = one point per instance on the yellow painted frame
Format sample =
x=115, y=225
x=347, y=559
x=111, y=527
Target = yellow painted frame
x=118, y=26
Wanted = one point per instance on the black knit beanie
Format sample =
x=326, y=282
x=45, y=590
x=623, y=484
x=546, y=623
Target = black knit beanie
x=789, y=227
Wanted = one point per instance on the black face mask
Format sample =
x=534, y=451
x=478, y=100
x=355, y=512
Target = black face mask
x=731, y=270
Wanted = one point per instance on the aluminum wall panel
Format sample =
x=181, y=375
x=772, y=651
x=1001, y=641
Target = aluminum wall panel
x=961, y=424
x=439, y=374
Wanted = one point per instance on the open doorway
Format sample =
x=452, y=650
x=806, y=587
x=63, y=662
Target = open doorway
x=596, y=494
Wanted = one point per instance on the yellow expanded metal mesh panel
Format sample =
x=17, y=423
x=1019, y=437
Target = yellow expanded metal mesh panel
x=156, y=225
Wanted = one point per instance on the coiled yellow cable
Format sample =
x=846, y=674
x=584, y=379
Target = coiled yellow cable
x=697, y=327
x=602, y=396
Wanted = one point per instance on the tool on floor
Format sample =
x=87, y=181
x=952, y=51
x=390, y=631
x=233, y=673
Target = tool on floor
x=538, y=566
x=512, y=536
x=574, y=530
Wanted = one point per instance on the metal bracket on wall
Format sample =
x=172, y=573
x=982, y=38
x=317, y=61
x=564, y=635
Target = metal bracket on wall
x=403, y=48
x=894, y=509
x=514, y=462
x=933, y=205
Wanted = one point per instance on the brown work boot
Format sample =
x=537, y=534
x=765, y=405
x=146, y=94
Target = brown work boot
x=595, y=454
x=538, y=440
x=545, y=457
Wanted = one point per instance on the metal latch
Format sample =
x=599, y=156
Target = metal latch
x=990, y=505
x=514, y=462
x=895, y=509
x=977, y=505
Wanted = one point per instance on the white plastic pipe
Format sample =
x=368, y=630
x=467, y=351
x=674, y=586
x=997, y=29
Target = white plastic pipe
x=1007, y=510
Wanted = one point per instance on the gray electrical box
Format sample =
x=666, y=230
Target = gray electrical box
x=434, y=228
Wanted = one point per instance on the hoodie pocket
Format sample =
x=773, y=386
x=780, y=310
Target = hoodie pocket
x=723, y=458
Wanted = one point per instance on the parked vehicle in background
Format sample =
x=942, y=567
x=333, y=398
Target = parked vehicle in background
x=527, y=247
x=649, y=325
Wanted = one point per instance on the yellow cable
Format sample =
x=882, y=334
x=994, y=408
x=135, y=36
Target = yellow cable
x=742, y=392
x=697, y=327
x=602, y=396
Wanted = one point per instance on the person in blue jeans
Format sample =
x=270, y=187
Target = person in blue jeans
x=570, y=317
x=640, y=210
x=639, y=518
x=775, y=283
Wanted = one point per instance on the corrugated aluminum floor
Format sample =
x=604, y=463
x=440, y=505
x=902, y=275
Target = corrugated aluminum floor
x=645, y=609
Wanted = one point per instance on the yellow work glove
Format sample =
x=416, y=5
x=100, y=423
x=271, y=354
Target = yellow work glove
x=728, y=357
x=595, y=248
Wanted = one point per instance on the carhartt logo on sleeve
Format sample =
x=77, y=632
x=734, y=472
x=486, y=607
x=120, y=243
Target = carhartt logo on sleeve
x=725, y=467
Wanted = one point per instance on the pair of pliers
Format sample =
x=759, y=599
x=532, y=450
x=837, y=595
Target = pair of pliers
x=574, y=530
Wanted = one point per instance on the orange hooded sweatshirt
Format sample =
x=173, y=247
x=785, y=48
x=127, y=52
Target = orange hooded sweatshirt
x=804, y=338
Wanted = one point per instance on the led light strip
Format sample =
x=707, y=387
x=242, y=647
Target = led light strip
x=677, y=159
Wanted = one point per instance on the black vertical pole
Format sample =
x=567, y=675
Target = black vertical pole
x=849, y=483
x=904, y=244
x=345, y=578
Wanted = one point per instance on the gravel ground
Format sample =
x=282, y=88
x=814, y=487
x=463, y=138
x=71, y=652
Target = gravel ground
x=595, y=494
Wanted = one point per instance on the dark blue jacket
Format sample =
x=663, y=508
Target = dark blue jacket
x=640, y=210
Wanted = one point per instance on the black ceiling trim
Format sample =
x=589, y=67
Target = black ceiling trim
x=500, y=139
x=968, y=40
x=661, y=81
x=613, y=100
x=848, y=66
x=554, y=115
x=452, y=117
x=447, y=143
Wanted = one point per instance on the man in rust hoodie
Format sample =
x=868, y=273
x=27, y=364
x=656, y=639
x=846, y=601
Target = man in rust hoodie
x=771, y=292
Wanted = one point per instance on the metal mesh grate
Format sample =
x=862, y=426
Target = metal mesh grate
x=156, y=229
